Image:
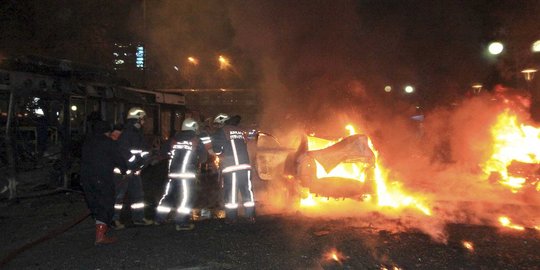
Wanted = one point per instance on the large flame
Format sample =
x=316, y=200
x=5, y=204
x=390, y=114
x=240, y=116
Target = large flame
x=513, y=142
x=389, y=194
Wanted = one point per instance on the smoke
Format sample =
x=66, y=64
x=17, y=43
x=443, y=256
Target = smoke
x=309, y=53
x=316, y=79
x=322, y=65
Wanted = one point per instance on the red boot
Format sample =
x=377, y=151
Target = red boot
x=101, y=237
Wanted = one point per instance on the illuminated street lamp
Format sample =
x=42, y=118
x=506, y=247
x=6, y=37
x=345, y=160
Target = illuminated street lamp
x=495, y=48
x=536, y=46
x=224, y=63
x=408, y=89
x=477, y=88
x=193, y=60
x=388, y=89
x=528, y=74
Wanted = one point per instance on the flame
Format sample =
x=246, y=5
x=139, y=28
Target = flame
x=334, y=255
x=393, y=268
x=468, y=245
x=393, y=197
x=216, y=162
x=388, y=195
x=513, y=142
x=505, y=222
x=308, y=201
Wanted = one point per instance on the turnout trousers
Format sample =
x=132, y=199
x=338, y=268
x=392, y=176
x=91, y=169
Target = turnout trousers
x=179, y=196
x=238, y=181
x=130, y=184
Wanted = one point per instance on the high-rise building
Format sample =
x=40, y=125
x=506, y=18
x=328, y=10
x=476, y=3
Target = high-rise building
x=129, y=61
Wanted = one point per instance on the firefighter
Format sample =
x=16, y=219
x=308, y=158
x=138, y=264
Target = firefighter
x=187, y=151
x=134, y=149
x=100, y=154
x=208, y=183
x=230, y=143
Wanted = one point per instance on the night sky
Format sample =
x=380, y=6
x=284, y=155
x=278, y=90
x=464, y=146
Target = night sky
x=300, y=51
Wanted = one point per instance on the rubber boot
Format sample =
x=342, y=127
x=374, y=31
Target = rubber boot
x=101, y=237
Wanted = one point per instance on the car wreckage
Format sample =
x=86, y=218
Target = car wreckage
x=339, y=169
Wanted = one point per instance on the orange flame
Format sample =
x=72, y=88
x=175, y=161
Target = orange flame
x=388, y=195
x=334, y=255
x=505, y=222
x=512, y=142
x=468, y=245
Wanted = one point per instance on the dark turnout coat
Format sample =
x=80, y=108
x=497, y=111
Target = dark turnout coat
x=133, y=146
x=100, y=155
x=186, y=152
x=230, y=143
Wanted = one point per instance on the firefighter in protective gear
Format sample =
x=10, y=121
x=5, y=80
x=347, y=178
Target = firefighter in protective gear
x=135, y=151
x=230, y=143
x=187, y=151
x=100, y=154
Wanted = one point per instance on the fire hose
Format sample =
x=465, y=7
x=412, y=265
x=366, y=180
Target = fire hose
x=51, y=234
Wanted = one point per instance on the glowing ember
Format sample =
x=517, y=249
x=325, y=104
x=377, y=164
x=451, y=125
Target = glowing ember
x=513, y=142
x=393, y=268
x=505, y=222
x=334, y=255
x=468, y=245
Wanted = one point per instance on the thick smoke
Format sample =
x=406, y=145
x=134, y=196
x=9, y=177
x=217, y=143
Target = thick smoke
x=316, y=79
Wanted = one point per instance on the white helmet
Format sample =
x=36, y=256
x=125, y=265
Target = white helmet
x=136, y=113
x=190, y=124
x=221, y=118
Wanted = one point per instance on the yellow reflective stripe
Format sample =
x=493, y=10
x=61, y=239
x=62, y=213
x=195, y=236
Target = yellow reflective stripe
x=251, y=198
x=163, y=209
x=233, y=189
x=206, y=140
x=183, y=210
x=235, y=154
x=137, y=205
x=231, y=205
x=236, y=168
x=185, y=195
x=166, y=192
x=182, y=175
x=249, y=204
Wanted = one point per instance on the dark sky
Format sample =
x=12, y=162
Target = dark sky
x=344, y=50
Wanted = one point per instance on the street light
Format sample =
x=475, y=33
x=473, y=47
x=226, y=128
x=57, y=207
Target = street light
x=477, y=88
x=528, y=74
x=193, y=60
x=495, y=48
x=536, y=46
x=408, y=89
x=224, y=63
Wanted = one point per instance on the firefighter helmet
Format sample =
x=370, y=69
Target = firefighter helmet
x=190, y=124
x=136, y=113
x=221, y=118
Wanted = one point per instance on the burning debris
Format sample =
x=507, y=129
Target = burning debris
x=492, y=177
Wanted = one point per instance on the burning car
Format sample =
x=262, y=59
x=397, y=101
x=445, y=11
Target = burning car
x=340, y=168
